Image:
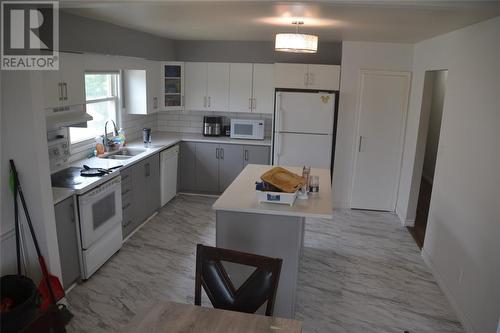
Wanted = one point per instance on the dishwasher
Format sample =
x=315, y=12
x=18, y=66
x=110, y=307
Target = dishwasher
x=168, y=173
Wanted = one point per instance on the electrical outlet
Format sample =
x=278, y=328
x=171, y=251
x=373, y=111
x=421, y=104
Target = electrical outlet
x=460, y=275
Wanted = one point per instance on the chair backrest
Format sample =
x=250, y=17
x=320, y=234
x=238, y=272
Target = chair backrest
x=258, y=288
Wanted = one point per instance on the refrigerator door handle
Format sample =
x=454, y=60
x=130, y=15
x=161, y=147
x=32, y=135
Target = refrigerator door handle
x=278, y=144
x=279, y=114
x=360, y=148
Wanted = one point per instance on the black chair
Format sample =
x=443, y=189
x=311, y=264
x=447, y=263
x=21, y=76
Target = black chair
x=258, y=288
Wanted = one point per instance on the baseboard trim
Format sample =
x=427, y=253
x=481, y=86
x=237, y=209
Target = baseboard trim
x=466, y=324
x=405, y=222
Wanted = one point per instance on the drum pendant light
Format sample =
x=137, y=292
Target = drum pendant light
x=296, y=42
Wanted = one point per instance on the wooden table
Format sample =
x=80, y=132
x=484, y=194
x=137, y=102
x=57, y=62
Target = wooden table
x=175, y=317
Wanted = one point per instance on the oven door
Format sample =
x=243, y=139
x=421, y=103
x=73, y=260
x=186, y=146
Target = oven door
x=100, y=210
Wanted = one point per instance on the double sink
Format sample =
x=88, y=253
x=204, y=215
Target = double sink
x=123, y=154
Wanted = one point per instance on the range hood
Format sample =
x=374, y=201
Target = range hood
x=74, y=116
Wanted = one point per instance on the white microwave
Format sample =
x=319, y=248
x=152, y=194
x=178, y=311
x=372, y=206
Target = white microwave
x=247, y=129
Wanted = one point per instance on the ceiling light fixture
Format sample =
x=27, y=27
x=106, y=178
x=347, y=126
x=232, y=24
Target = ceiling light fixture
x=297, y=43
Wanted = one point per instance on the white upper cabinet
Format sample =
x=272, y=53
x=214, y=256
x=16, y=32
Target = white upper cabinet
x=66, y=87
x=73, y=78
x=251, y=88
x=263, y=88
x=240, y=87
x=207, y=86
x=141, y=89
x=292, y=76
x=196, y=85
x=304, y=76
x=153, y=85
x=323, y=77
x=172, y=85
x=218, y=86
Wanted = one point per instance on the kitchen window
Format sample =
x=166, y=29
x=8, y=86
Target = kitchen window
x=101, y=99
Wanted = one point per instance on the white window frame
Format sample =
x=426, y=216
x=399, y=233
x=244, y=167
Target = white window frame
x=78, y=146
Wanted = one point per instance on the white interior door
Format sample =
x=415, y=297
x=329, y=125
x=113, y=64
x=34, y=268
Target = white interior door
x=305, y=112
x=218, y=86
x=294, y=149
x=196, y=85
x=382, y=107
x=240, y=87
x=263, y=88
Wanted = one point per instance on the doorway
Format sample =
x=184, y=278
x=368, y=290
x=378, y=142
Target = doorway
x=432, y=112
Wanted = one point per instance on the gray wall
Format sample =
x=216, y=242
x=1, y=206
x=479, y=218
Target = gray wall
x=253, y=51
x=80, y=34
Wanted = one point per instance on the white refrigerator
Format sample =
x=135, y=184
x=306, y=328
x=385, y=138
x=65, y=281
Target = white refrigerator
x=303, y=129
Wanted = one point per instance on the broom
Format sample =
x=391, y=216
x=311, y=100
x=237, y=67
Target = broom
x=50, y=287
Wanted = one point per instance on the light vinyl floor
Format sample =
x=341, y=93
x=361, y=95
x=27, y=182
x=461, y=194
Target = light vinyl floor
x=360, y=272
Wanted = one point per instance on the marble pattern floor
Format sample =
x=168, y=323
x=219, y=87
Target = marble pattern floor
x=360, y=272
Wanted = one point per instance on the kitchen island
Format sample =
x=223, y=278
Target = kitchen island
x=269, y=229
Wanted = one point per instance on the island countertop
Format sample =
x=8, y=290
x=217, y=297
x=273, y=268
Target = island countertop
x=240, y=196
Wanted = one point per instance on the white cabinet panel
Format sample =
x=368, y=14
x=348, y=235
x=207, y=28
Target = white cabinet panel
x=73, y=78
x=196, y=85
x=240, y=87
x=323, y=77
x=65, y=87
x=304, y=76
x=153, y=86
x=263, y=88
x=382, y=100
x=290, y=76
x=218, y=86
x=52, y=89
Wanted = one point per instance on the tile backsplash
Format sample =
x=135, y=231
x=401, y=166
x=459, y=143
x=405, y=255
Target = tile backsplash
x=192, y=121
x=167, y=121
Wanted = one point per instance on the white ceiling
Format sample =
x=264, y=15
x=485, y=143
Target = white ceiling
x=388, y=21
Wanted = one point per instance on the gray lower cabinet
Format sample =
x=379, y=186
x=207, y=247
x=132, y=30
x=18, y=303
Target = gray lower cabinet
x=140, y=192
x=230, y=164
x=210, y=167
x=67, y=241
x=256, y=155
x=187, y=167
x=207, y=165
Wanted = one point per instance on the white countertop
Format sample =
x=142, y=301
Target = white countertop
x=240, y=196
x=59, y=194
x=159, y=142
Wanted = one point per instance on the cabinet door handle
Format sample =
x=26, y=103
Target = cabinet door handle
x=65, y=91
x=60, y=91
x=222, y=153
x=246, y=155
x=217, y=153
x=360, y=144
x=147, y=169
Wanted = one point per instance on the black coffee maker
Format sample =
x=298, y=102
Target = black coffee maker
x=212, y=126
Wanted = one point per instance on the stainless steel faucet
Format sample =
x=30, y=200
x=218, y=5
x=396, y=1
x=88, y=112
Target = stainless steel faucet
x=106, y=140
